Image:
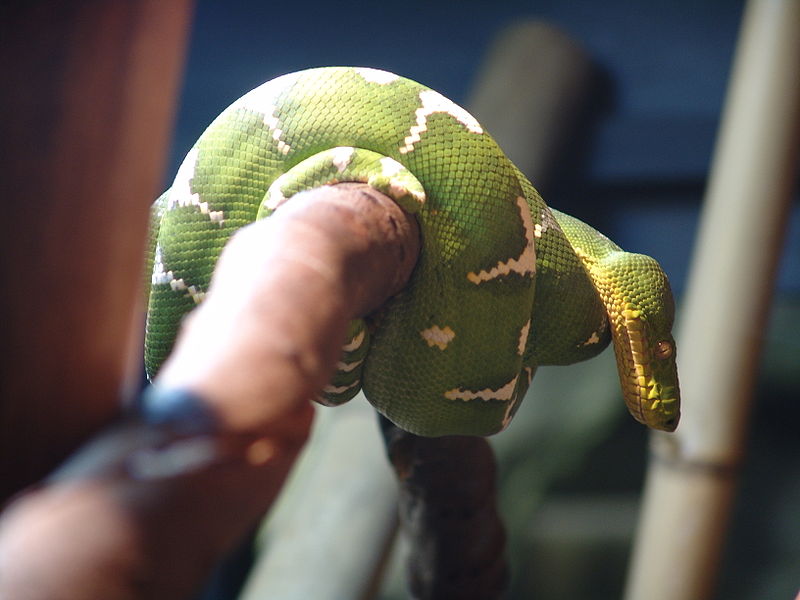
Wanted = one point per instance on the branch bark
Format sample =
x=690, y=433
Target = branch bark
x=448, y=513
x=155, y=508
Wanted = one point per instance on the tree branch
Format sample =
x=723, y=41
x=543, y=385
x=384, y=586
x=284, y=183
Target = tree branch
x=154, y=508
x=448, y=512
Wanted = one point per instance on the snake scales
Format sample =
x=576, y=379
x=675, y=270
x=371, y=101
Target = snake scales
x=503, y=283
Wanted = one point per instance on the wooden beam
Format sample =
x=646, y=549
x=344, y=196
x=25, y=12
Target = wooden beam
x=88, y=96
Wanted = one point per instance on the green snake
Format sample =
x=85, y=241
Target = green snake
x=502, y=285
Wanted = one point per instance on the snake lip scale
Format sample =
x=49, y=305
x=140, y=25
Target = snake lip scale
x=503, y=283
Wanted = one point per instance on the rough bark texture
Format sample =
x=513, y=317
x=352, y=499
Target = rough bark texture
x=155, y=508
x=327, y=256
x=448, y=513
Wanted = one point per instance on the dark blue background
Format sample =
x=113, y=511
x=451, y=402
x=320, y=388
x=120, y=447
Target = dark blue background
x=668, y=61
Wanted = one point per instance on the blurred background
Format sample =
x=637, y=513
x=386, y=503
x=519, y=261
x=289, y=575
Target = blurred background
x=572, y=467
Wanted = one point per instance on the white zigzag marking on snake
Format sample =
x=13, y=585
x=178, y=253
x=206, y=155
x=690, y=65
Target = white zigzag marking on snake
x=341, y=157
x=275, y=196
x=505, y=392
x=262, y=100
x=548, y=221
x=389, y=168
x=161, y=276
x=593, y=339
x=271, y=121
x=376, y=75
x=180, y=194
x=434, y=102
x=511, y=405
x=436, y=336
x=523, y=337
x=348, y=367
x=525, y=264
x=355, y=343
x=334, y=389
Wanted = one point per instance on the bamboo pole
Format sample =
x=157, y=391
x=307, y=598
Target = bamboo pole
x=692, y=476
x=88, y=95
x=156, y=502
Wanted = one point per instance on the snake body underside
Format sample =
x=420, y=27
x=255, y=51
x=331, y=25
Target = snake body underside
x=503, y=283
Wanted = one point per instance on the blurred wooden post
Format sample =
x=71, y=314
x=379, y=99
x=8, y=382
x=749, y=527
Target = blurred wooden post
x=88, y=96
x=692, y=476
x=543, y=124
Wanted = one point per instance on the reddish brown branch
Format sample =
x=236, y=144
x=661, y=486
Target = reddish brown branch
x=143, y=512
x=327, y=256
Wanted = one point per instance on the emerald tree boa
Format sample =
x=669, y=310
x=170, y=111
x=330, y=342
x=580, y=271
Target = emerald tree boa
x=503, y=283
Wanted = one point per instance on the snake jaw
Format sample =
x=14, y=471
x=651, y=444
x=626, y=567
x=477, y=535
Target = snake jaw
x=640, y=309
x=647, y=371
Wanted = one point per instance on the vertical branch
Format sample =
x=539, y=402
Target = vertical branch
x=692, y=478
x=88, y=97
x=449, y=515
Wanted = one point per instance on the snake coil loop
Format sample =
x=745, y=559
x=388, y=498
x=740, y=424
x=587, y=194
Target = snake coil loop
x=503, y=283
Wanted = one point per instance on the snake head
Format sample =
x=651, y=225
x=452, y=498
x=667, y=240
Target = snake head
x=642, y=312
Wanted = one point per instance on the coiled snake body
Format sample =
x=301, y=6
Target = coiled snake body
x=503, y=283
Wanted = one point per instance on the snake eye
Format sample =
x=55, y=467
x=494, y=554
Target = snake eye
x=663, y=350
